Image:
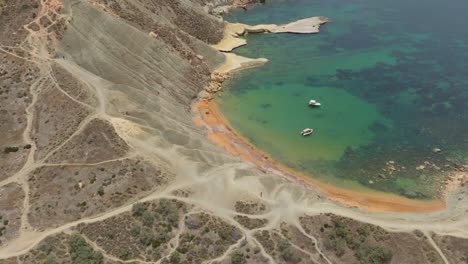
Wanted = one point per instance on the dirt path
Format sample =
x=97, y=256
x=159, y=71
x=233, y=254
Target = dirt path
x=218, y=187
x=436, y=247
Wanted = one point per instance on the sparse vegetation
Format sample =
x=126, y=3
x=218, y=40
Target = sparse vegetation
x=175, y=258
x=81, y=252
x=11, y=149
x=338, y=238
x=100, y=191
x=138, y=209
x=50, y=260
x=287, y=252
x=89, y=171
x=147, y=231
x=346, y=238
x=93, y=179
x=374, y=255
x=250, y=223
x=238, y=258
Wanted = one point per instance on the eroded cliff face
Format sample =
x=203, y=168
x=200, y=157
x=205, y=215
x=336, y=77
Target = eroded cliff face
x=96, y=106
x=172, y=34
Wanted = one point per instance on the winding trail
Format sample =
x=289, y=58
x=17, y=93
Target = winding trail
x=218, y=185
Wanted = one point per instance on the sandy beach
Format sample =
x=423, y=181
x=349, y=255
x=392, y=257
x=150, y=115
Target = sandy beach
x=208, y=116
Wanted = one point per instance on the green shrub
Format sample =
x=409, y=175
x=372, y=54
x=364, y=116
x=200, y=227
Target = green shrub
x=353, y=242
x=147, y=218
x=238, y=258
x=146, y=238
x=174, y=258
x=340, y=247
x=81, y=252
x=374, y=255
x=100, y=191
x=173, y=218
x=11, y=149
x=287, y=252
x=123, y=253
x=50, y=260
x=155, y=243
x=135, y=231
x=28, y=146
x=138, y=209
x=363, y=230
x=183, y=250
x=93, y=179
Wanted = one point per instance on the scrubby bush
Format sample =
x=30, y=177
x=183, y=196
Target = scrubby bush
x=50, y=260
x=363, y=230
x=340, y=247
x=123, y=253
x=100, y=191
x=135, y=231
x=81, y=252
x=238, y=258
x=147, y=218
x=340, y=229
x=93, y=179
x=138, y=209
x=11, y=149
x=287, y=252
x=146, y=237
x=374, y=255
x=173, y=218
x=155, y=243
x=175, y=258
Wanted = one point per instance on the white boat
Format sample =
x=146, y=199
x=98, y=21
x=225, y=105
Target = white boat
x=314, y=103
x=306, y=131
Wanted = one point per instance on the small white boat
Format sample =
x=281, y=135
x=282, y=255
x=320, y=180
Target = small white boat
x=306, y=131
x=314, y=103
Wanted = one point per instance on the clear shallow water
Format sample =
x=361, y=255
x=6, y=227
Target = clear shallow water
x=392, y=77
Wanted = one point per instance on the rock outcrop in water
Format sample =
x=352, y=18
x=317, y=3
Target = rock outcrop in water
x=103, y=163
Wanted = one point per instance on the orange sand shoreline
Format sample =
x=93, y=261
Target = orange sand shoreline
x=208, y=116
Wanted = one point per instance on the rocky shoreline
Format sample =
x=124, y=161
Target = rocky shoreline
x=207, y=115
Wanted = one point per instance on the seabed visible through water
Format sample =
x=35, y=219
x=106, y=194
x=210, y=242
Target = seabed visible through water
x=391, y=76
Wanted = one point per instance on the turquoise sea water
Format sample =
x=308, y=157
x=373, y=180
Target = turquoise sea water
x=392, y=77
